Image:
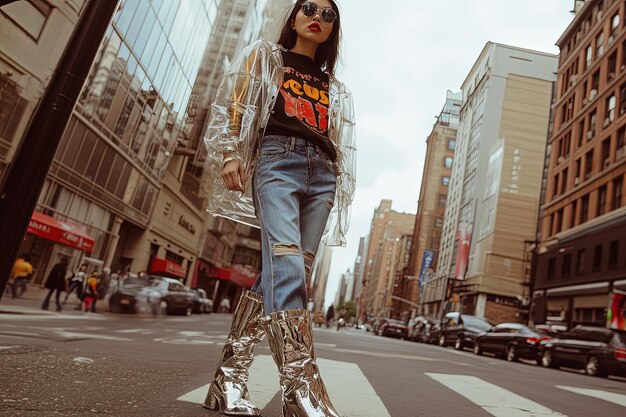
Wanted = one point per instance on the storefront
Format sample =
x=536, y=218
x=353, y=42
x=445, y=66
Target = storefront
x=49, y=239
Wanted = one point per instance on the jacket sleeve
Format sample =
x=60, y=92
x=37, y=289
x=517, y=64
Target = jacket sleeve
x=234, y=108
x=339, y=218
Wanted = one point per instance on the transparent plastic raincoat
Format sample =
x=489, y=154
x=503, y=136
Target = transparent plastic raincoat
x=245, y=99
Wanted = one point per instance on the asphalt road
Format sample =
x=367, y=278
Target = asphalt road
x=75, y=364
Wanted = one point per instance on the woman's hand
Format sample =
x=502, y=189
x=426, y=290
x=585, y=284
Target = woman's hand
x=233, y=175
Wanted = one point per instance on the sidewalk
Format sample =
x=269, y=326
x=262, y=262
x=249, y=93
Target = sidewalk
x=30, y=302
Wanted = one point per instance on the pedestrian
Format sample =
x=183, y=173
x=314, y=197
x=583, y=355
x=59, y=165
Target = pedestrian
x=330, y=316
x=281, y=127
x=90, y=294
x=225, y=305
x=20, y=274
x=77, y=284
x=55, y=282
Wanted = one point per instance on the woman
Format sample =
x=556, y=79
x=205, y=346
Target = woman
x=282, y=124
x=55, y=282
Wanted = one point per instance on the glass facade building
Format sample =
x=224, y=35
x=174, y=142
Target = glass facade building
x=130, y=117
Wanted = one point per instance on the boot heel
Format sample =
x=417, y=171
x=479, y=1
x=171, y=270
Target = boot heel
x=212, y=401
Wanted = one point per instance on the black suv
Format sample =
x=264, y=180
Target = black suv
x=152, y=294
x=597, y=350
x=461, y=330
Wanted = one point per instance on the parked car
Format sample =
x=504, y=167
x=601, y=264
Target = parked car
x=597, y=350
x=461, y=330
x=201, y=303
x=152, y=294
x=393, y=328
x=511, y=341
x=420, y=329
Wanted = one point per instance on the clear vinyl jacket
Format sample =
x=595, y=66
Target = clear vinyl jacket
x=245, y=98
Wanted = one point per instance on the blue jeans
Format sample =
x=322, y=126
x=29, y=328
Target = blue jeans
x=293, y=190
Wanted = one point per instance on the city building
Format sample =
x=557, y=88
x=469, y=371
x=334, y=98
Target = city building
x=275, y=14
x=495, y=186
x=400, y=282
x=118, y=193
x=319, y=277
x=580, y=274
x=382, y=253
x=431, y=205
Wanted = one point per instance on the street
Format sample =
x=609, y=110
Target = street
x=77, y=364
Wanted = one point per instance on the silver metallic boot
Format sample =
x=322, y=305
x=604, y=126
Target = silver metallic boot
x=228, y=392
x=291, y=342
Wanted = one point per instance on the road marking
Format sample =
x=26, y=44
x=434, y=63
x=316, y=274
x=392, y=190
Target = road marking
x=619, y=399
x=493, y=399
x=349, y=389
x=73, y=335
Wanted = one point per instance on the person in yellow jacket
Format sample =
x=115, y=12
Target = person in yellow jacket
x=22, y=270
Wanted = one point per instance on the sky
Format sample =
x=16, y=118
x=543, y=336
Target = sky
x=399, y=58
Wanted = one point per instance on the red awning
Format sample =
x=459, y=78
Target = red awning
x=169, y=268
x=236, y=276
x=57, y=231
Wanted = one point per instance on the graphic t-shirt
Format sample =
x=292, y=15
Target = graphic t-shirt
x=302, y=105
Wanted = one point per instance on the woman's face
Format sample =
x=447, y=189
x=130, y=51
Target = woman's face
x=313, y=28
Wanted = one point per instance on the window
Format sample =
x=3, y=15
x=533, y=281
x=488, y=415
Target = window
x=551, y=268
x=597, y=258
x=567, y=264
x=602, y=200
x=592, y=124
x=580, y=262
x=615, y=24
x=447, y=162
x=30, y=16
x=588, y=56
x=600, y=44
x=443, y=199
x=606, y=152
x=572, y=217
x=438, y=222
x=445, y=181
x=584, y=209
x=618, y=184
x=12, y=108
x=588, y=164
x=613, y=254
x=610, y=109
x=581, y=133
x=452, y=144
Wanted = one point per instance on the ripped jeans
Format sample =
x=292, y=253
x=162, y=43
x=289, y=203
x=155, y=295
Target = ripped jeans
x=293, y=190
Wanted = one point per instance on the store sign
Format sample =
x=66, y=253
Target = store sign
x=168, y=268
x=428, y=259
x=57, y=231
x=186, y=225
x=464, y=235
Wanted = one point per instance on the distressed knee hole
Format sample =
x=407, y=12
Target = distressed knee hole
x=330, y=204
x=286, y=249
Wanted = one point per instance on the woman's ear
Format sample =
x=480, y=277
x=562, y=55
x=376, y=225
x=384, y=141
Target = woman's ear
x=293, y=24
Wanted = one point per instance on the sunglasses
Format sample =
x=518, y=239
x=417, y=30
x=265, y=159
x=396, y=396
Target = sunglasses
x=327, y=14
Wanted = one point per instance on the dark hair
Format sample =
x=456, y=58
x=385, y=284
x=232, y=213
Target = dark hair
x=328, y=52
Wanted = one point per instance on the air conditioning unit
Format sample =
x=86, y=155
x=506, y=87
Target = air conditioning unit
x=584, y=101
x=606, y=122
x=599, y=16
x=590, y=134
x=611, y=39
x=592, y=94
x=611, y=75
x=621, y=152
x=607, y=161
x=576, y=181
x=560, y=160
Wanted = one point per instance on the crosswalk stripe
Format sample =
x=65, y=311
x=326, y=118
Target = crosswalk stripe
x=493, y=399
x=619, y=399
x=349, y=389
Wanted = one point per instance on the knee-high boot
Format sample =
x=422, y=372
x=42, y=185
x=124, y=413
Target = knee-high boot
x=291, y=342
x=228, y=392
